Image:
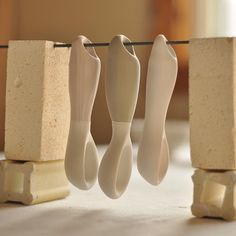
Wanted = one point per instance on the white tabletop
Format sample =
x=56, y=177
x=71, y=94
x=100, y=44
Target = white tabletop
x=142, y=210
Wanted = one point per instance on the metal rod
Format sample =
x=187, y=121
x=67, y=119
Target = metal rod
x=67, y=45
x=126, y=43
x=3, y=46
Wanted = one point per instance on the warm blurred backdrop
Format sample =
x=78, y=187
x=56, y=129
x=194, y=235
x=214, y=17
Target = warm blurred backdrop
x=60, y=20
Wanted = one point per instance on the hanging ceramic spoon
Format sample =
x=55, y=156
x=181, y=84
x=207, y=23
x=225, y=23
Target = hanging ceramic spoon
x=81, y=162
x=122, y=87
x=153, y=153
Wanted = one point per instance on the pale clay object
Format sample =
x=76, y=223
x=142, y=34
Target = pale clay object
x=81, y=163
x=212, y=103
x=214, y=194
x=32, y=182
x=122, y=86
x=212, y=126
x=153, y=153
x=37, y=101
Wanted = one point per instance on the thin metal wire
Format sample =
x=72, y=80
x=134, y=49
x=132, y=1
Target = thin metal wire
x=126, y=43
x=67, y=45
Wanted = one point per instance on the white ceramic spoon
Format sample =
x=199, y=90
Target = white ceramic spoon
x=153, y=153
x=122, y=87
x=81, y=162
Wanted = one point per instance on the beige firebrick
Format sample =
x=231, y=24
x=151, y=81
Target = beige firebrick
x=37, y=101
x=32, y=182
x=212, y=105
x=214, y=194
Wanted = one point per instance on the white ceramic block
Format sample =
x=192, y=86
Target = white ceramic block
x=212, y=105
x=214, y=194
x=32, y=182
x=37, y=101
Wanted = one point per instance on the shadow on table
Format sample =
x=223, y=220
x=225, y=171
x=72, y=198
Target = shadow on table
x=209, y=225
x=204, y=221
x=62, y=219
x=67, y=220
x=11, y=205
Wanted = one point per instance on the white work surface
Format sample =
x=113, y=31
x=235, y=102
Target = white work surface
x=142, y=210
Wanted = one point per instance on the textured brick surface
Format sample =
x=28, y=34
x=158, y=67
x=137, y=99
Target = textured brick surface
x=212, y=92
x=214, y=194
x=37, y=101
x=32, y=182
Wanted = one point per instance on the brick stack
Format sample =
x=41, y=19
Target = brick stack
x=212, y=91
x=37, y=123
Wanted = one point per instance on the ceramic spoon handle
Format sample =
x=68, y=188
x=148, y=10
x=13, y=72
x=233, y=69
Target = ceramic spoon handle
x=122, y=87
x=153, y=153
x=81, y=162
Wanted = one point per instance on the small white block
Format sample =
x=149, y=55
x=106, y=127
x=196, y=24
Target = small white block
x=32, y=182
x=37, y=101
x=214, y=194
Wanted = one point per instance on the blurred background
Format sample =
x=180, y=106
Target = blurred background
x=60, y=20
x=139, y=20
